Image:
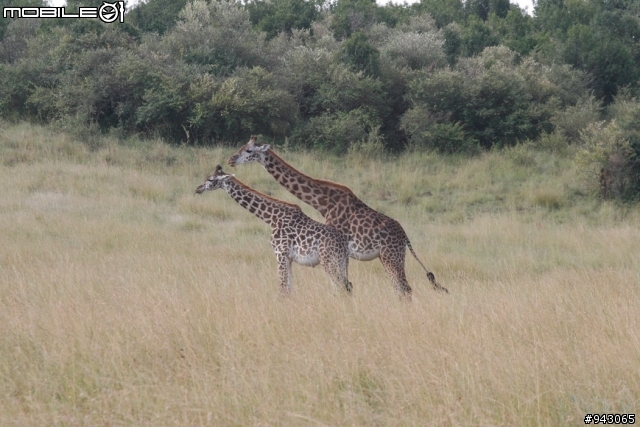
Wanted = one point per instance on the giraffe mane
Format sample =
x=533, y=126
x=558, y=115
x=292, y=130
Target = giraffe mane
x=273, y=199
x=335, y=185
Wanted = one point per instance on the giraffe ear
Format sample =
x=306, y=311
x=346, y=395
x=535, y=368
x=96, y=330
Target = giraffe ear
x=264, y=147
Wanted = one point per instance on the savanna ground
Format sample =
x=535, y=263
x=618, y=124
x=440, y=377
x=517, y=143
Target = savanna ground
x=126, y=300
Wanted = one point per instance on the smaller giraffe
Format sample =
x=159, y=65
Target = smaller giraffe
x=294, y=236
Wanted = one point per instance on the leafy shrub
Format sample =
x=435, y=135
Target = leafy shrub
x=551, y=200
x=372, y=147
x=247, y=102
x=17, y=34
x=476, y=35
x=344, y=90
x=361, y=55
x=415, y=50
x=575, y=118
x=494, y=98
x=218, y=35
x=606, y=161
x=157, y=16
x=328, y=93
x=515, y=30
x=425, y=132
x=164, y=107
x=554, y=142
x=443, y=12
x=625, y=110
x=607, y=59
x=350, y=16
x=282, y=16
x=302, y=72
x=336, y=132
x=419, y=24
x=452, y=42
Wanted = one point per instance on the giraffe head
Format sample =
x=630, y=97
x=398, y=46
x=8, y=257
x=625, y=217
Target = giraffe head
x=249, y=152
x=214, y=181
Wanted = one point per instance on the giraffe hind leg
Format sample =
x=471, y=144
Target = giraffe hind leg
x=338, y=277
x=337, y=269
x=393, y=263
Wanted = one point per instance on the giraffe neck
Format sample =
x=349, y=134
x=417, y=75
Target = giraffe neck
x=266, y=208
x=314, y=192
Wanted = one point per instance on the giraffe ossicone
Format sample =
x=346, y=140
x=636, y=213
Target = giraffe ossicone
x=370, y=234
x=294, y=236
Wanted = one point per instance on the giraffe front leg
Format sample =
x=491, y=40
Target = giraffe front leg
x=284, y=271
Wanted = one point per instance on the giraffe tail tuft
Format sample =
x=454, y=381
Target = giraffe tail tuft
x=430, y=275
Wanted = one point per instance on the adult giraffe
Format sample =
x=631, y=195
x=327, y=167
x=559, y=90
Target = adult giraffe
x=294, y=236
x=370, y=234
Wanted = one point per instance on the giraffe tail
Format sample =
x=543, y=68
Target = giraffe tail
x=430, y=275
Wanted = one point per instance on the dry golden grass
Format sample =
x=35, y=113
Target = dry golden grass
x=125, y=300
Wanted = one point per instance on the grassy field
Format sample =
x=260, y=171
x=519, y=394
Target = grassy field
x=126, y=300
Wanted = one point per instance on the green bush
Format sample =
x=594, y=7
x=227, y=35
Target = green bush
x=218, y=35
x=448, y=75
x=607, y=59
x=573, y=119
x=494, y=98
x=424, y=131
x=373, y=147
x=415, y=50
x=606, y=161
x=336, y=132
x=350, y=16
x=277, y=16
x=247, y=102
x=625, y=110
x=157, y=16
x=554, y=142
x=361, y=55
x=443, y=12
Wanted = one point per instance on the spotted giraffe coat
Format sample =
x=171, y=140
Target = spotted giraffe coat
x=294, y=236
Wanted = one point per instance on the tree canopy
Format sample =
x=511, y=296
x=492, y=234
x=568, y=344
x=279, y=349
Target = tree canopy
x=449, y=75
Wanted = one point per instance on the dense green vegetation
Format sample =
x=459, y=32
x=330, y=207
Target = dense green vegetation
x=449, y=75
